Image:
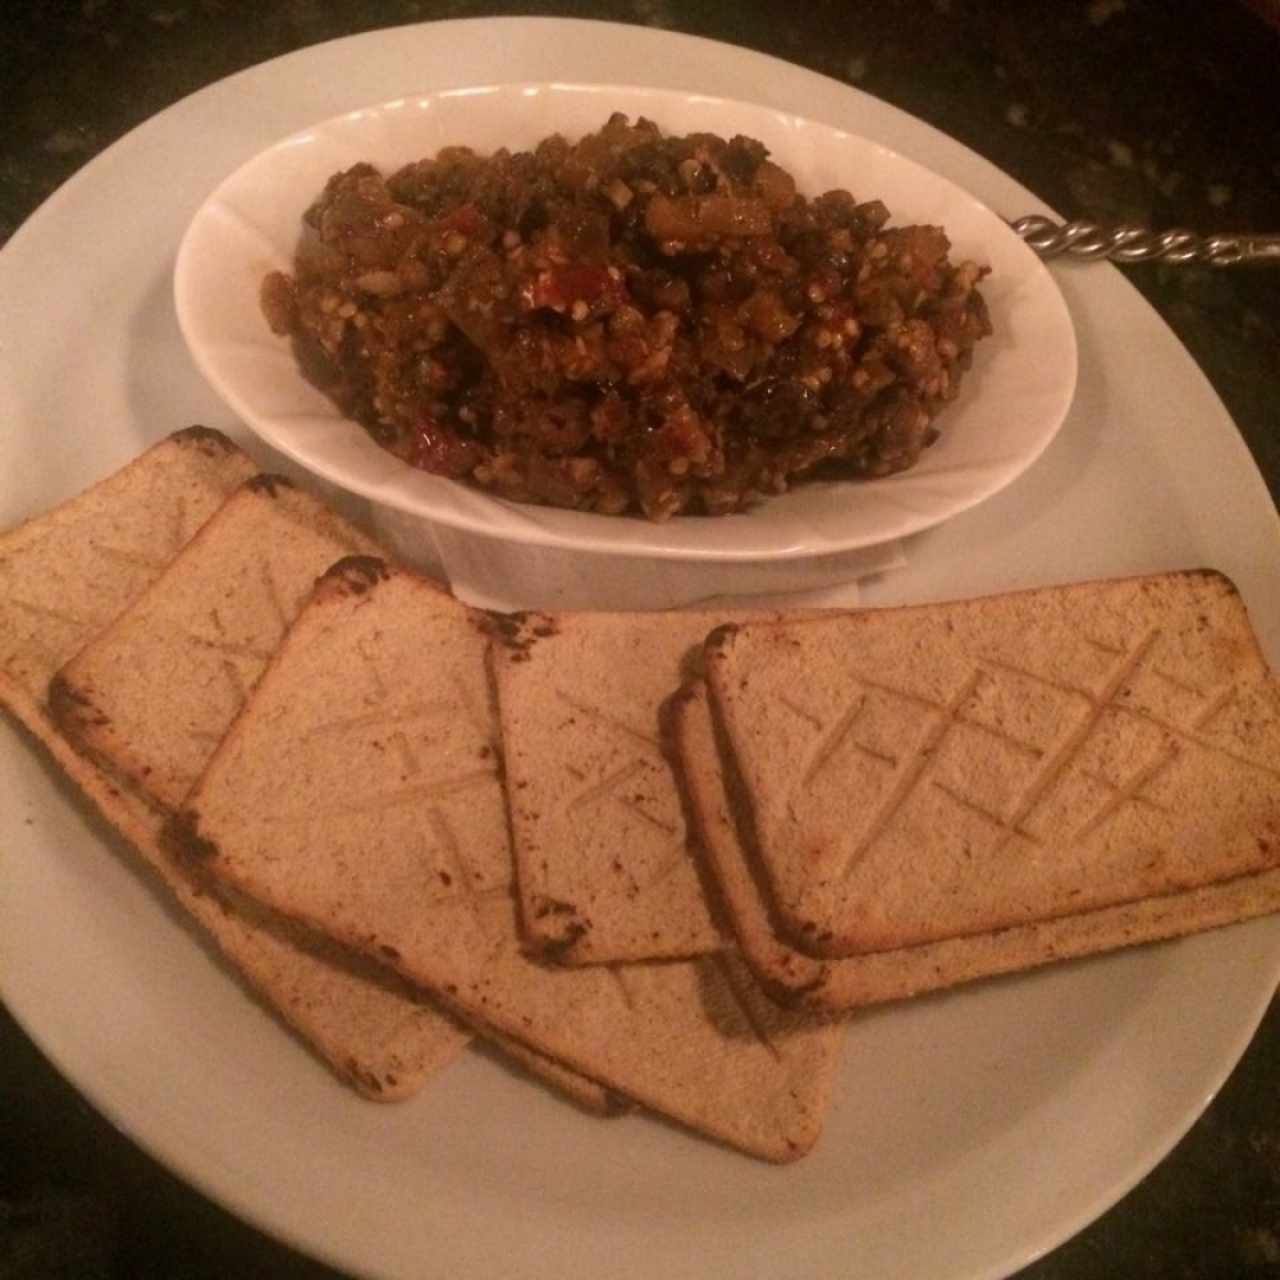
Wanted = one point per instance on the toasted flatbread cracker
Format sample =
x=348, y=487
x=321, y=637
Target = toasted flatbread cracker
x=360, y=792
x=67, y=573
x=70, y=572
x=603, y=864
x=924, y=773
x=838, y=985
x=151, y=695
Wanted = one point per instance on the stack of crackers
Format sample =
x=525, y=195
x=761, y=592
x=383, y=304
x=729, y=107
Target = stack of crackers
x=652, y=858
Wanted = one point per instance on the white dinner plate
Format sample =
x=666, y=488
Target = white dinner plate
x=970, y=1132
x=1009, y=407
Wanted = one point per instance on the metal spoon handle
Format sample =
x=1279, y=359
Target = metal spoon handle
x=1126, y=243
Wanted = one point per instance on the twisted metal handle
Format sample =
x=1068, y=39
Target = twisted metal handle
x=1126, y=243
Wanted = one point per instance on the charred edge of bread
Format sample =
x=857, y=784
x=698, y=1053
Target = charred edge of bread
x=72, y=710
x=180, y=836
x=205, y=438
x=73, y=714
x=718, y=640
x=560, y=927
x=353, y=576
x=615, y=1103
x=1221, y=582
x=742, y=812
x=669, y=712
x=269, y=483
x=519, y=632
x=793, y=995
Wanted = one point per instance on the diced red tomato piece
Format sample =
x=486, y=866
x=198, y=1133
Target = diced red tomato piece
x=561, y=287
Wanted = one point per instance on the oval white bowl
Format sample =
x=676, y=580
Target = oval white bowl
x=1012, y=402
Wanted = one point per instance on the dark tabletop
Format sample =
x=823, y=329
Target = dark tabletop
x=1166, y=114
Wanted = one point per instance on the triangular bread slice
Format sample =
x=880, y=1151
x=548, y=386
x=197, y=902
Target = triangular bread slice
x=64, y=576
x=603, y=864
x=360, y=792
x=835, y=985
x=923, y=773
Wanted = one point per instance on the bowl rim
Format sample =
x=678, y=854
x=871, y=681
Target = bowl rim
x=472, y=511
